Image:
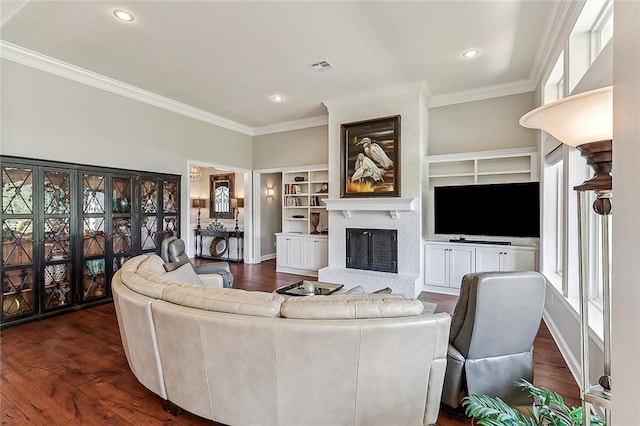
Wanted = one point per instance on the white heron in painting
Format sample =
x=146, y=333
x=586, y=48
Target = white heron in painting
x=365, y=168
x=375, y=152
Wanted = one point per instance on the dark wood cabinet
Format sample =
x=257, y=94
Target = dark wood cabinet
x=67, y=228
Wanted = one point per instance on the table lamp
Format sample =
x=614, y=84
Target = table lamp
x=198, y=203
x=237, y=204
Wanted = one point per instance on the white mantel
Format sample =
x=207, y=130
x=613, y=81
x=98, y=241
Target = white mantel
x=392, y=205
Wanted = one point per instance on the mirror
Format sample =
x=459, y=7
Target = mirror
x=220, y=194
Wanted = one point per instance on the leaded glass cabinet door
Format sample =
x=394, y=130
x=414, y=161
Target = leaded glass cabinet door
x=121, y=218
x=56, y=223
x=19, y=298
x=170, y=200
x=149, y=210
x=94, y=236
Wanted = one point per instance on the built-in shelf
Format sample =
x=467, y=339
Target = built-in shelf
x=392, y=205
x=506, y=165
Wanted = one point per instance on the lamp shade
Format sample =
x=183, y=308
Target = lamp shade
x=198, y=203
x=237, y=203
x=576, y=120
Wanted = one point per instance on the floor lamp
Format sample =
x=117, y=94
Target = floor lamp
x=585, y=121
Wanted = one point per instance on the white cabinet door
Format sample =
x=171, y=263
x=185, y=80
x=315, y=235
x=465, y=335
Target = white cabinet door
x=436, y=265
x=489, y=259
x=519, y=260
x=505, y=259
x=461, y=262
x=282, y=251
x=447, y=264
x=296, y=252
x=315, y=253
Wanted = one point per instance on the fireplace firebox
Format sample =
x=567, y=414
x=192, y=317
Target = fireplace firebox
x=372, y=249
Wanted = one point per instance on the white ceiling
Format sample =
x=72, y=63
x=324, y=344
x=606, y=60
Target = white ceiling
x=229, y=58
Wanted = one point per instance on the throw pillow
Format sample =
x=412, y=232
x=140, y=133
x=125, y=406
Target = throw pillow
x=385, y=290
x=172, y=266
x=184, y=274
x=356, y=289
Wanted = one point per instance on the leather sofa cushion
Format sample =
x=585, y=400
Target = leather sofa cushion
x=232, y=301
x=184, y=274
x=141, y=274
x=351, y=306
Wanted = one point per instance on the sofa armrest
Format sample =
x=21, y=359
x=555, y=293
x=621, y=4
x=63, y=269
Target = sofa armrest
x=221, y=268
x=212, y=280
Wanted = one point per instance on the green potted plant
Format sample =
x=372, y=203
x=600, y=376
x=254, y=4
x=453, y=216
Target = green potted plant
x=548, y=409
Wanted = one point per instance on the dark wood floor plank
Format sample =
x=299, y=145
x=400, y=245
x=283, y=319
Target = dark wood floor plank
x=71, y=369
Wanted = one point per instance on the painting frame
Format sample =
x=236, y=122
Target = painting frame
x=221, y=180
x=370, y=158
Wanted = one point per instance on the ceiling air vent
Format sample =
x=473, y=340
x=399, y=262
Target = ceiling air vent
x=321, y=66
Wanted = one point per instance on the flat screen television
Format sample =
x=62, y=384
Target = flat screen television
x=501, y=210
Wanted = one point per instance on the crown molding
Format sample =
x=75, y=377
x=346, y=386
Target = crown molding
x=486, y=92
x=557, y=27
x=45, y=63
x=321, y=120
x=418, y=88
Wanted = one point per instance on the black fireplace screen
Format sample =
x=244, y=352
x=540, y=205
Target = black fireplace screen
x=372, y=249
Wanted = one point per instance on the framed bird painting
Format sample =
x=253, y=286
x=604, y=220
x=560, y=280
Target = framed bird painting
x=369, y=158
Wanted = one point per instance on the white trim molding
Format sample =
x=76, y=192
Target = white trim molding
x=393, y=205
x=53, y=66
x=286, y=126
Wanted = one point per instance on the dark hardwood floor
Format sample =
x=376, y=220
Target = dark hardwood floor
x=71, y=369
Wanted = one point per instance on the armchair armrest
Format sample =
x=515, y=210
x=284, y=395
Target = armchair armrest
x=221, y=268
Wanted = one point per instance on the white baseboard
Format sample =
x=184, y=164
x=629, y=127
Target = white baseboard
x=267, y=257
x=572, y=362
x=441, y=290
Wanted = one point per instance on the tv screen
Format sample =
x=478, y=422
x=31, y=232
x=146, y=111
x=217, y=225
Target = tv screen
x=502, y=210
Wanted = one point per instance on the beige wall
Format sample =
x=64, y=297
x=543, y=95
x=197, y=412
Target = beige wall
x=483, y=125
x=50, y=117
x=304, y=147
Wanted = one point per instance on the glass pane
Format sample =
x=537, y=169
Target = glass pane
x=17, y=241
x=222, y=199
x=148, y=196
x=17, y=187
x=148, y=232
x=57, y=285
x=169, y=197
x=94, y=241
x=121, y=235
x=17, y=292
x=170, y=226
x=93, y=194
x=57, y=192
x=118, y=261
x=56, y=239
x=93, y=279
x=121, y=195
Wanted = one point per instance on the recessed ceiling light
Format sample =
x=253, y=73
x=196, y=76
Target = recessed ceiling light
x=123, y=15
x=277, y=98
x=470, y=53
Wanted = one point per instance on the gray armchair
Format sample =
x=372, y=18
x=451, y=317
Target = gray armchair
x=173, y=250
x=493, y=327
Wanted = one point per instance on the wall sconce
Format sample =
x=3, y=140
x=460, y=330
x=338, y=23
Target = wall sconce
x=198, y=203
x=237, y=204
x=194, y=172
x=270, y=192
x=585, y=121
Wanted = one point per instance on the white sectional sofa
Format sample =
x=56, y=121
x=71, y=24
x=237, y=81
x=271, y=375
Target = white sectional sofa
x=254, y=358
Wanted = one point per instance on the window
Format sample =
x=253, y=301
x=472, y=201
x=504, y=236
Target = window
x=554, y=87
x=553, y=217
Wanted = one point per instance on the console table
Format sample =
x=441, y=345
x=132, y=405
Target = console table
x=199, y=233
